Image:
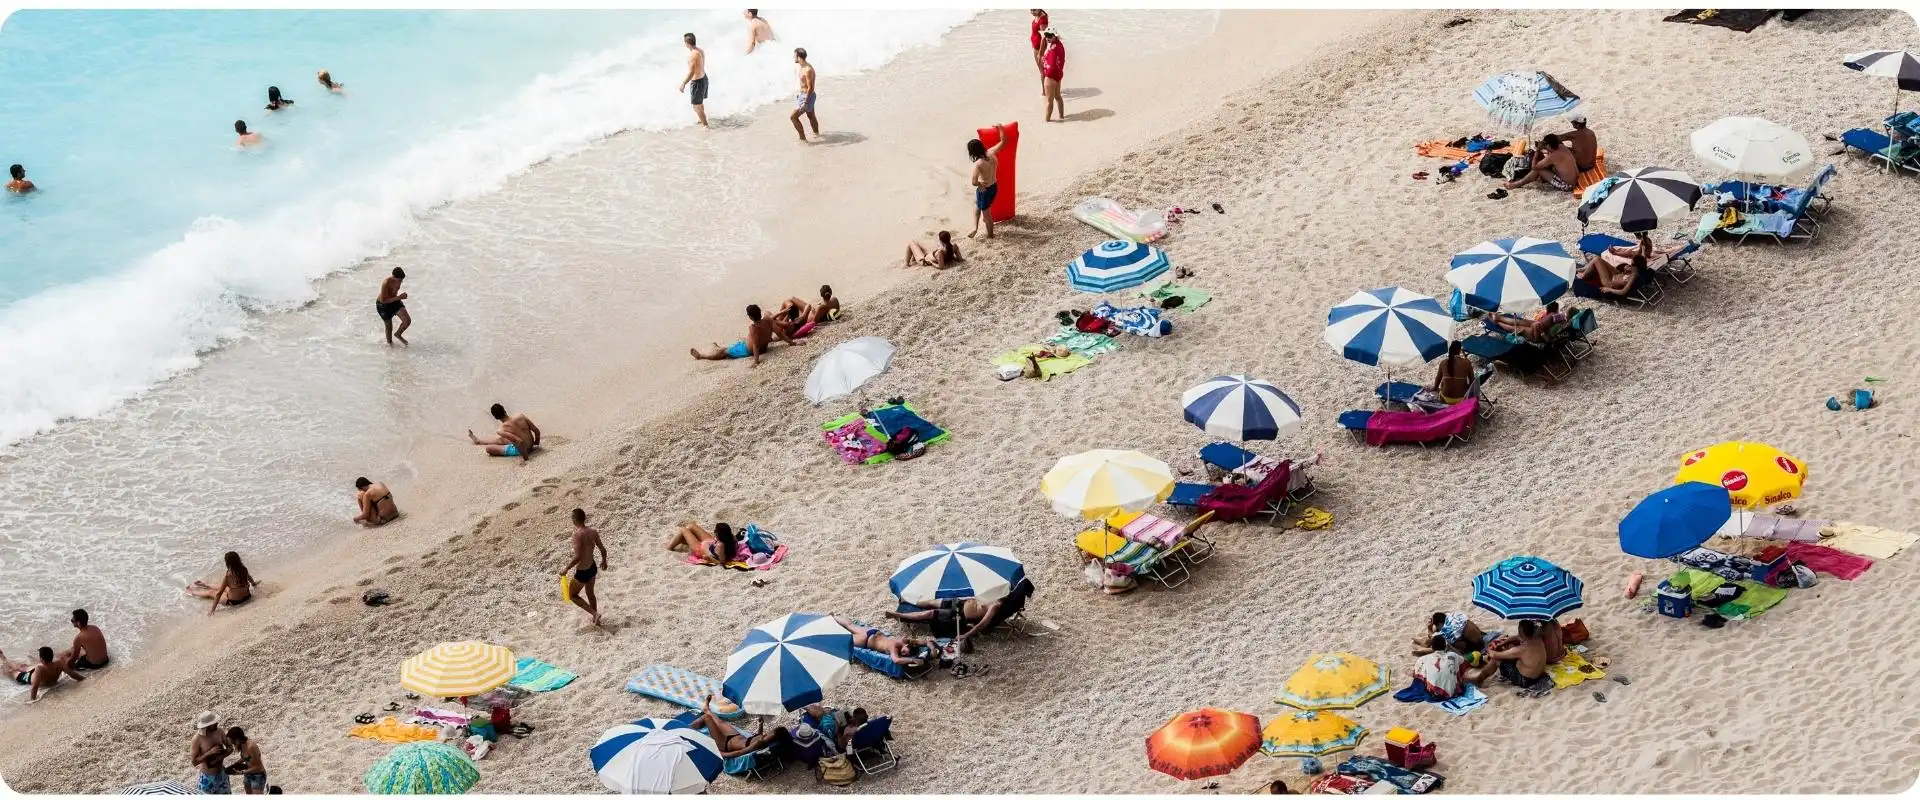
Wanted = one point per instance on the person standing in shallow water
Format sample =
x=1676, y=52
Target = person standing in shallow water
x=804, y=98
x=390, y=303
x=695, y=84
x=758, y=30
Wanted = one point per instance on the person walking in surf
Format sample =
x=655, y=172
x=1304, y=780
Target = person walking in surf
x=390, y=303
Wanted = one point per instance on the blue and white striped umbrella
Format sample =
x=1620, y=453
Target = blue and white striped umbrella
x=1389, y=327
x=788, y=663
x=1116, y=265
x=1241, y=408
x=160, y=787
x=956, y=571
x=1525, y=587
x=1514, y=275
x=1518, y=99
x=656, y=756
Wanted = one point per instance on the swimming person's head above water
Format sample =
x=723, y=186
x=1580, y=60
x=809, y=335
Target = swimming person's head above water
x=274, y=100
x=18, y=172
x=240, y=127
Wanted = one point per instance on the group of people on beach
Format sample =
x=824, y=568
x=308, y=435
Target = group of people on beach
x=210, y=749
x=87, y=652
x=245, y=138
x=790, y=323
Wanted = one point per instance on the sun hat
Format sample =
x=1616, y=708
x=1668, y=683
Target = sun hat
x=1579, y=119
x=207, y=719
x=1048, y=31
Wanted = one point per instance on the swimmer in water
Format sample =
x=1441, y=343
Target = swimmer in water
x=758, y=30
x=246, y=139
x=19, y=184
x=326, y=80
x=274, y=101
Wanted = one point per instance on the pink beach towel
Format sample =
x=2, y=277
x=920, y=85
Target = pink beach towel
x=1150, y=530
x=741, y=555
x=1387, y=427
x=1843, y=565
x=853, y=443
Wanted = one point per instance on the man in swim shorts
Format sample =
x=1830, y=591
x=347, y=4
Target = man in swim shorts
x=39, y=677
x=390, y=303
x=986, y=178
x=1553, y=163
x=696, y=78
x=89, y=650
x=585, y=541
x=760, y=334
x=803, y=99
x=209, y=753
x=516, y=438
x=1522, y=660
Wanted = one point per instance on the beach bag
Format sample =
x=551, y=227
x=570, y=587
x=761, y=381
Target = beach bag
x=1573, y=632
x=902, y=442
x=1088, y=323
x=759, y=541
x=836, y=770
x=1802, y=577
x=1492, y=165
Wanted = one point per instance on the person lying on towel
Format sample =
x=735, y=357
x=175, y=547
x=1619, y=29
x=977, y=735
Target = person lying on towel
x=1535, y=327
x=904, y=650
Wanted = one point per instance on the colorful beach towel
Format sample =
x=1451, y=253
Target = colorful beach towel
x=438, y=716
x=1838, y=563
x=1441, y=148
x=1191, y=299
x=1083, y=343
x=393, y=731
x=852, y=442
x=1470, y=698
x=1049, y=367
x=1753, y=601
x=682, y=687
x=878, y=423
x=1866, y=540
x=743, y=558
x=535, y=675
x=1573, y=670
x=1137, y=320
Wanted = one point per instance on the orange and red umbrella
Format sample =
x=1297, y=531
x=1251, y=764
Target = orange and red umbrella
x=1203, y=743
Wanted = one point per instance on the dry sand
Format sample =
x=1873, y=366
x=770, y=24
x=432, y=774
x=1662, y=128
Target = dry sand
x=1312, y=168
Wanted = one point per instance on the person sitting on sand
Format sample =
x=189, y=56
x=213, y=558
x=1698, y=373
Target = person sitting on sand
x=945, y=254
x=1456, y=632
x=1582, y=143
x=1522, y=660
x=717, y=547
x=517, y=436
x=760, y=334
x=904, y=650
x=1535, y=327
x=1550, y=638
x=821, y=313
x=89, y=649
x=1551, y=162
x=376, y=503
x=1616, y=281
x=1454, y=377
x=236, y=587
x=732, y=743
x=42, y=676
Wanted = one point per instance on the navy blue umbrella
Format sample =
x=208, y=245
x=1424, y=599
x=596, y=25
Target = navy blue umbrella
x=1675, y=519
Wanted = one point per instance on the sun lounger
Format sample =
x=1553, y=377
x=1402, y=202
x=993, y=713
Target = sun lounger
x=1446, y=426
x=1646, y=291
x=1165, y=567
x=1677, y=267
x=759, y=764
x=1769, y=197
x=1879, y=146
x=1587, y=179
x=871, y=746
x=1164, y=534
x=1396, y=393
x=885, y=665
x=1187, y=495
x=1234, y=502
x=681, y=687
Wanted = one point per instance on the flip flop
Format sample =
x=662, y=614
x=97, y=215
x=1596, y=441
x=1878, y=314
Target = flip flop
x=1497, y=194
x=1419, y=176
x=1218, y=210
x=1599, y=698
x=1623, y=680
x=364, y=719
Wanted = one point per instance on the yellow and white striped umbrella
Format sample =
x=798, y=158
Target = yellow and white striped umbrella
x=1101, y=483
x=458, y=669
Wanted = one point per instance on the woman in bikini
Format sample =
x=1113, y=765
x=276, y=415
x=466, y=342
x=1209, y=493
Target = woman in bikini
x=945, y=255
x=717, y=547
x=376, y=503
x=903, y=650
x=236, y=588
x=1612, y=279
x=734, y=744
x=1621, y=257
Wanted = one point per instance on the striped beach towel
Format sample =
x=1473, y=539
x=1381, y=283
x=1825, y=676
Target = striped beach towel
x=535, y=675
x=682, y=687
x=1151, y=530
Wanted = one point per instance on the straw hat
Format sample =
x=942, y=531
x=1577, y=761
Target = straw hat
x=207, y=719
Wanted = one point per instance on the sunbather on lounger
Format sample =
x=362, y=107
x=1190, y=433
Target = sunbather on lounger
x=1613, y=279
x=901, y=649
x=732, y=744
x=1534, y=327
x=1455, y=630
x=1621, y=257
x=717, y=547
x=982, y=617
x=1454, y=376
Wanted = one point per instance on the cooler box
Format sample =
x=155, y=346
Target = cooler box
x=1674, y=602
x=1399, y=741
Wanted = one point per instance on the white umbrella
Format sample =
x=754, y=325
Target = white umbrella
x=1751, y=148
x=845, y=368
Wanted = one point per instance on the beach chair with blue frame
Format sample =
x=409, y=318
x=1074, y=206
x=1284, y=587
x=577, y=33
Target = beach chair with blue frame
x=1898, y=148
x=871, y=747
x=1677, y=268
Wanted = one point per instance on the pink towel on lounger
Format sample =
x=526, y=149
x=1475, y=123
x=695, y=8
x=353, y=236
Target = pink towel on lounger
x=1838, y=563
x=1151, y=530
x=1386, y=427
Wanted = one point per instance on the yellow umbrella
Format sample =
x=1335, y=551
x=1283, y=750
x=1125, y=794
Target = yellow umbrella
x=1100, y=483
x=1310, y=734
x=1755, y=475
x=458, y=669
x=1333, y=680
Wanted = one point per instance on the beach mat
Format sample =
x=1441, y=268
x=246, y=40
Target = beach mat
x=535, y=675
x=1743, y=20
x=1049, y=367
x=1191, y=299
x=882, y=421
x=393, y=731
x=682, y=687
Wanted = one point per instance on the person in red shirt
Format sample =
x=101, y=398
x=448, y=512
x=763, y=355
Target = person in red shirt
x=1039, y=24
x=1053, y=67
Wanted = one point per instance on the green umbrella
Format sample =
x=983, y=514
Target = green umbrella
x=422, y=768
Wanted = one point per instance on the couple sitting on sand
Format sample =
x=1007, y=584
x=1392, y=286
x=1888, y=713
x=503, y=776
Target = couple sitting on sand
x=791, y=322
x=88, y=652
x=1453, y=644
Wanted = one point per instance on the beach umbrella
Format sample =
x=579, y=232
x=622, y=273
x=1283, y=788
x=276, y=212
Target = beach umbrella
x=1389, y=327
x=458, y=669
x=160, y=787
x=1204, y=743
x=1241, y=408
x=788, y=663
x=1101, y=483
x=1675, y=519
x=1310, y=734
x=1900, y=65
x=847, y=367
x=655, y=756
x=1517, y=99
x=1755, y=475
x=1645, y=199
x=1514, y=275
x=422, y=768
x=1116, y=265
x=1525, y=587
x=986, y=573
x=1751, y=148
x=1333, y=680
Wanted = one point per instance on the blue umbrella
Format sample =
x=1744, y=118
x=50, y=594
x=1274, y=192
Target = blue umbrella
x=656, y=756
x=1675, y=519
x=1116, y=265
x=788, y=663
x=1525, y=587
x=1389, y=327
x=1242, y=408
x=1512, y=275
x=986, y=573
x=1517, y=99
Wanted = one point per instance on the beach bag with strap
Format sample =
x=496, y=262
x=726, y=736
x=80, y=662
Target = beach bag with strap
x=1493, y=165
x=836, y=770
x=759, y=541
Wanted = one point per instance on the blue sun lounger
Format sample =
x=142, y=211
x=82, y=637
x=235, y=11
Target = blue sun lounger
x=1678, y=267
x=760, y=763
